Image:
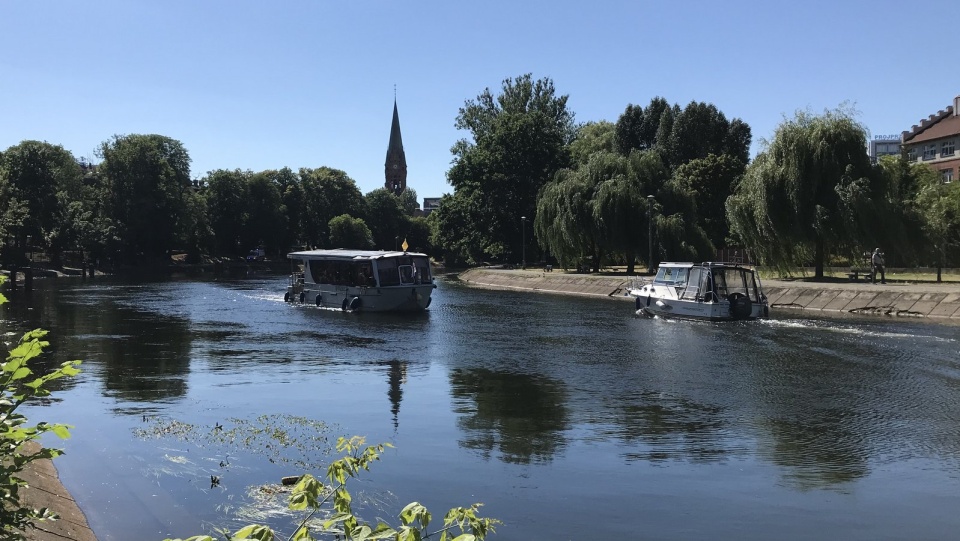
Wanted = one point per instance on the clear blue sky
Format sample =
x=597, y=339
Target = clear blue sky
x=308, y=83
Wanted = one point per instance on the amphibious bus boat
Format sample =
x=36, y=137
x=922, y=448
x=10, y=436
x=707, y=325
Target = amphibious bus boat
x=708, y=291
x=361, y=280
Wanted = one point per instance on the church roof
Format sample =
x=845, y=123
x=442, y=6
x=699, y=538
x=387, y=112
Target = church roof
x=396, y=142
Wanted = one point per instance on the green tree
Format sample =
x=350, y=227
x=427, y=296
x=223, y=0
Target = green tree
x=590, y=138
x=710, y=181
x=42, y=180
x=787, y=208
x=148, y=176
x=349, y=232
x=227, y=209
x=939, y=206
x=518, y=142
x=387, y=220
x=637, y=128
x=418, y=235
x=453, y=231
x=266, y=216
x=327, y=193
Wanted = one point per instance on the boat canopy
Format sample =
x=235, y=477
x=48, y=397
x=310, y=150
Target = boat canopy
x=341, y=253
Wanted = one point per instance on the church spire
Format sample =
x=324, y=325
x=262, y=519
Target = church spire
x=395, y=168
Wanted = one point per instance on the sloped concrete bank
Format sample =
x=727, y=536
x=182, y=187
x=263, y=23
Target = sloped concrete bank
x=937, y=302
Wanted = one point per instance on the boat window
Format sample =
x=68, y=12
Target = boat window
x=672, y=276
x=422, y=265
x=735, y=280
x=407, y=274
x=692, y=289
x=387, y=272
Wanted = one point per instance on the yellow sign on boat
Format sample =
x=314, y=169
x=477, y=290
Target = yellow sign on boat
x=404, y=245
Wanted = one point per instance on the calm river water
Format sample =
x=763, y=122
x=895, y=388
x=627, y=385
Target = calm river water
x=569, y=418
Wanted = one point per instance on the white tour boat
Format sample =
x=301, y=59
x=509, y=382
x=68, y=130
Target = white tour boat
x=710, y=291
x=361, y=280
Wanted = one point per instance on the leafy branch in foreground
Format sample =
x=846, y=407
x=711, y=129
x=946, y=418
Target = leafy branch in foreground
x=17, y=386
x=312, y=496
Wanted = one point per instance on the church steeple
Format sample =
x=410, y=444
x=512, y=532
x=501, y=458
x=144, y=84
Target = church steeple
x=395, y=168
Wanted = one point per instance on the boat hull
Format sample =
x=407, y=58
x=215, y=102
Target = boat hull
x=407, y=298
x=703, y=311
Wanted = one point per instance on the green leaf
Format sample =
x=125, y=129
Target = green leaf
x=254, y=531
x=62, y=431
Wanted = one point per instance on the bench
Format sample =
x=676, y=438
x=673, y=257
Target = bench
x=854, y=274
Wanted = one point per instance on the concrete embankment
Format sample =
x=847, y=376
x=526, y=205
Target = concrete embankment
x=938, y=302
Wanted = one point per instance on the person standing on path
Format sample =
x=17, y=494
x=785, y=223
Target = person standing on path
x=877, y=261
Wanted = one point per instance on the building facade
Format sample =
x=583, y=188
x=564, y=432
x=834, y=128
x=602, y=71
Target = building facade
x=395, y=168
x=884, y=145
x=935, y=141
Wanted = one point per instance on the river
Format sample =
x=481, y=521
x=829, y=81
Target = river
x=567, y=417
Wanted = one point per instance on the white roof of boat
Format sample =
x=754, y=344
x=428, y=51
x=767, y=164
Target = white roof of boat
x=672, y=264
x=341, y=253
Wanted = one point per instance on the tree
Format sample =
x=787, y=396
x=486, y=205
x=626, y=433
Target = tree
x=710, y=182
x=349, y=232
x=327, y=193
x=939, y=206
x=787, y=208
x=590, y=138
x=387, y=218
x=518, y=142
x=226, y=196
x=636, y=129
x=148, y=176
x=265, y=223
x=42, y=179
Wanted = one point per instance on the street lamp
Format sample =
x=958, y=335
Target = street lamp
x=523, y=238
x=650, y=232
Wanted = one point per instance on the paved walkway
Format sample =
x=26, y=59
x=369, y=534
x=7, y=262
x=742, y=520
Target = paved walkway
x=939, y=302
x=46, y=490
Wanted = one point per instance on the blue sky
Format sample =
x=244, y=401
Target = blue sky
x=308, y=83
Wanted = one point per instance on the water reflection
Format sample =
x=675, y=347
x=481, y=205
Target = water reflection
x=518, y=418
x=396, y=376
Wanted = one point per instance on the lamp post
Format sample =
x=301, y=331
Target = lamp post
x=523, y=240
x=650, y=232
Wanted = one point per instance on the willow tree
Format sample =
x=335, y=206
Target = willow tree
x=788, y=209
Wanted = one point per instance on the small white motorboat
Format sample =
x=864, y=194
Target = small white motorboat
x=708, y=291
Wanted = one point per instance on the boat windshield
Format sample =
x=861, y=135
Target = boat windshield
x=672, y=276
x=727, y=281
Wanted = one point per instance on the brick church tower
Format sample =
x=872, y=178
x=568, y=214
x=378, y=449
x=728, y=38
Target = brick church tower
x=395, y=168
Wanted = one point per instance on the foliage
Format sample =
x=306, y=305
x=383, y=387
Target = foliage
x=939, y=209
x=147, y=176
x=518, y=142
x=41, y=181
x=349, y=232
x=590, y=138
x=226, y=196
x=327, y=193
x=314, y=497
x=18, y=384
x=788, y=208
x=388, y=219
x=710, y=181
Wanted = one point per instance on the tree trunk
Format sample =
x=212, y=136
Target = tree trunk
x=818, y=259
x=630, y=263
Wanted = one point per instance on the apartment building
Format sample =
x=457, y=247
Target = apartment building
x=935, y=141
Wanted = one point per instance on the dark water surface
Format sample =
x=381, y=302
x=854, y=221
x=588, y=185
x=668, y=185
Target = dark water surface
x=567, y=417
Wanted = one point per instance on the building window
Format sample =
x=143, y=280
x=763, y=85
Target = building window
x=912, y=154
x=929, y=152
x=946, y=175
x=946, y=149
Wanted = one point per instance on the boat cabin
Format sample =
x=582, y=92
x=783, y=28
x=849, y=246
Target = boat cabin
x=708, y=282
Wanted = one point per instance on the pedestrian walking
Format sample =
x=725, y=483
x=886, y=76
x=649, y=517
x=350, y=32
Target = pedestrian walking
x=878, y=266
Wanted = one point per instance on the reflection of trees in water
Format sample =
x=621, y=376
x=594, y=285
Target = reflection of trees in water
x=523, y=417
x=142, y=356
x=818, y=451
x=670, y=428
